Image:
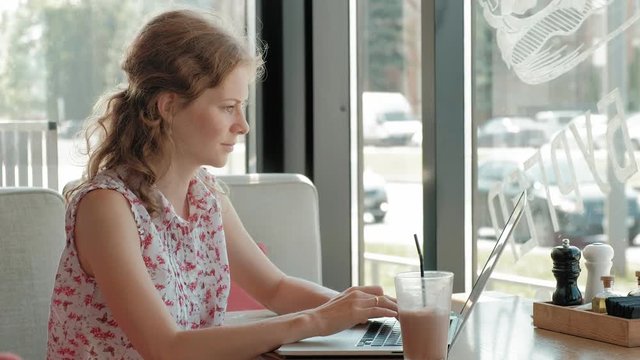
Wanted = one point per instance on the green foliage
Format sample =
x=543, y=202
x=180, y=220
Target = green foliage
x=61, y=53
x=634, y=82
x=22, y=70
x=81, y=42
x=383, y=36
x=483, y=72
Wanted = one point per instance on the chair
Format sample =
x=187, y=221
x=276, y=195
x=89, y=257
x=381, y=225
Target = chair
x=29, y=153
x=280, y=211
x=32, y=236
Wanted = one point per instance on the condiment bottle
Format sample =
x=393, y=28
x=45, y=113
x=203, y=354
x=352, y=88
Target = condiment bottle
x=566, y=269
x=598, y=304
x=636, y=292
x=598, y=262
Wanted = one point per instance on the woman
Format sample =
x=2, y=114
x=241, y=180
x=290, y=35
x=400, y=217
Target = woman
x=152, y=242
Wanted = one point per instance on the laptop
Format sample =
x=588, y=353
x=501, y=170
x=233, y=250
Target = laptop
x=381, y=336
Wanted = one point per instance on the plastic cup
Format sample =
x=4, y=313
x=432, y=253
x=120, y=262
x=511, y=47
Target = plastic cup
x=424, y=307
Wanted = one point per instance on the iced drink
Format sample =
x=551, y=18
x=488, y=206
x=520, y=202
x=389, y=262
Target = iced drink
x=424, y=305
x=424, y=334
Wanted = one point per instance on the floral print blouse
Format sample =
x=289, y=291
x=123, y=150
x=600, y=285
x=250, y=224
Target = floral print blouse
x=185, y=258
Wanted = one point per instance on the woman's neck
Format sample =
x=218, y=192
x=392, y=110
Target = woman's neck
x=174, y=185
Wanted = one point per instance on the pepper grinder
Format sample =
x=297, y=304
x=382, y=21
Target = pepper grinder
x=597, y=258
x=566, y=269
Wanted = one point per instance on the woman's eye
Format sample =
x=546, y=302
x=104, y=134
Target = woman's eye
x=229, y=109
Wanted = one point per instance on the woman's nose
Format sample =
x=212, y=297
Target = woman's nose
x=242, y=124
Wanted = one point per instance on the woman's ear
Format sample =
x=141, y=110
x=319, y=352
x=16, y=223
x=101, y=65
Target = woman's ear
x=166, y=103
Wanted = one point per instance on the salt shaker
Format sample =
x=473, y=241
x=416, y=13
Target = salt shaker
x=597, y=258
x=599, y=303
x=566, y=269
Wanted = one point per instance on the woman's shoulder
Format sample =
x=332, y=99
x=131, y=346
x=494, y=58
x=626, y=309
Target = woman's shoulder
x=107, y=188
x=106, y=201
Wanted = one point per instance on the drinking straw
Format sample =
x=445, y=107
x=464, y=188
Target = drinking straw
x=415, y=238
x=424, y=291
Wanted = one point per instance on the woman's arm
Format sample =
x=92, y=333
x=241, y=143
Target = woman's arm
x=254, y=272
x=109, y=249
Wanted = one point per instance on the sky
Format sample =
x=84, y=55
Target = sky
x=8, y=5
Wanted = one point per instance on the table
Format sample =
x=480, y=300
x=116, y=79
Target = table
x=501, y=327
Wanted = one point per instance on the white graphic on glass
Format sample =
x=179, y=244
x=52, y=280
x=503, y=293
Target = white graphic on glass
x=545, y=161
x=532, y=37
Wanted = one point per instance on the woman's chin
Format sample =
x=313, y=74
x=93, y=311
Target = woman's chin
x=217, y=163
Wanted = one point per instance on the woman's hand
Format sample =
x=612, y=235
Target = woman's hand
x=353, y=306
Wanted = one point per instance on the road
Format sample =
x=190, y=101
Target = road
x=405, y=218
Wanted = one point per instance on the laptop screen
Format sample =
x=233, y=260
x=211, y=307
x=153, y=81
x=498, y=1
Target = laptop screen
x=491, y=262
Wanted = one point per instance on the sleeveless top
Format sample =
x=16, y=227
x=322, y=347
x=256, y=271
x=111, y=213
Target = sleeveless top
x=185, y=259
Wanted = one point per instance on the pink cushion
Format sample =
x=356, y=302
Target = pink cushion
x=240, y=299
x=9, y=356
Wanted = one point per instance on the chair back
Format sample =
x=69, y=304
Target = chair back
x=32, y=237
x=281, y=212
x=29, y=153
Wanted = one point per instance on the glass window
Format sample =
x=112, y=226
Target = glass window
x=58, y=57
x=555, y=89
x=389, y=69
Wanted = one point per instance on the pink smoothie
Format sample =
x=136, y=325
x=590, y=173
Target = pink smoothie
x=424, y=334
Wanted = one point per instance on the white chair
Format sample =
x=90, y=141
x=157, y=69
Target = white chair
x=281, y=211
x=29, y=153
x=32, y=236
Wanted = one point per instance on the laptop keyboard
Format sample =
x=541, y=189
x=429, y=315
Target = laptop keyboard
x=382, y=333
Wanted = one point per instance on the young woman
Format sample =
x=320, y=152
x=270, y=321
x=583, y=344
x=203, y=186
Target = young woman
x=152, y=242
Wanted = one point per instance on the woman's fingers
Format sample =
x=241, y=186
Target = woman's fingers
x=356, y=305
x=371, y=297
x=370, y=289
x=386, y=302
x=381, y=312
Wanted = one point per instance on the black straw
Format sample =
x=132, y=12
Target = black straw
x=415, y=238
x=424, y=291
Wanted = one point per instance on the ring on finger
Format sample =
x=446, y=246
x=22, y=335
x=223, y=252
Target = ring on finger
x=377, y=301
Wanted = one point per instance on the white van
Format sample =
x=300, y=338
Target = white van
x=387, y=119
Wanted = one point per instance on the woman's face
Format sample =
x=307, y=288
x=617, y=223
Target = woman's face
x=206, y=130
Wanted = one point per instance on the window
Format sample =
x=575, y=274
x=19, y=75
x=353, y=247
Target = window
x=389, y=66
x=555, y=89
x=58, y=57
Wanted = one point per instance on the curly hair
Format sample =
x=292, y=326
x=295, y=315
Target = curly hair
x=182, y=52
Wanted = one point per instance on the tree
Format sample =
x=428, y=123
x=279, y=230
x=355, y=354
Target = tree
x=483, y=48
x=383, y=49
x=22, y=71
x=81, y=43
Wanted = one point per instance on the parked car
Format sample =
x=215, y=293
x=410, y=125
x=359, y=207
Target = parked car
x=555, y=120
x=375, y=197
x=512, y=131
x=491, y=173
x=587, y=227
x=388, y=119
x=598, y=129
x=633, y=126
x=581, y=228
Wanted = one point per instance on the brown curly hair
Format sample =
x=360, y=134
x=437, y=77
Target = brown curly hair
x=180, y=51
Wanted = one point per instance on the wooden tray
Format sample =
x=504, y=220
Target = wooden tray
x=587, y=324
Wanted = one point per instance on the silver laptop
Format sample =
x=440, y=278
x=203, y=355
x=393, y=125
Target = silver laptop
x=381, y=337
